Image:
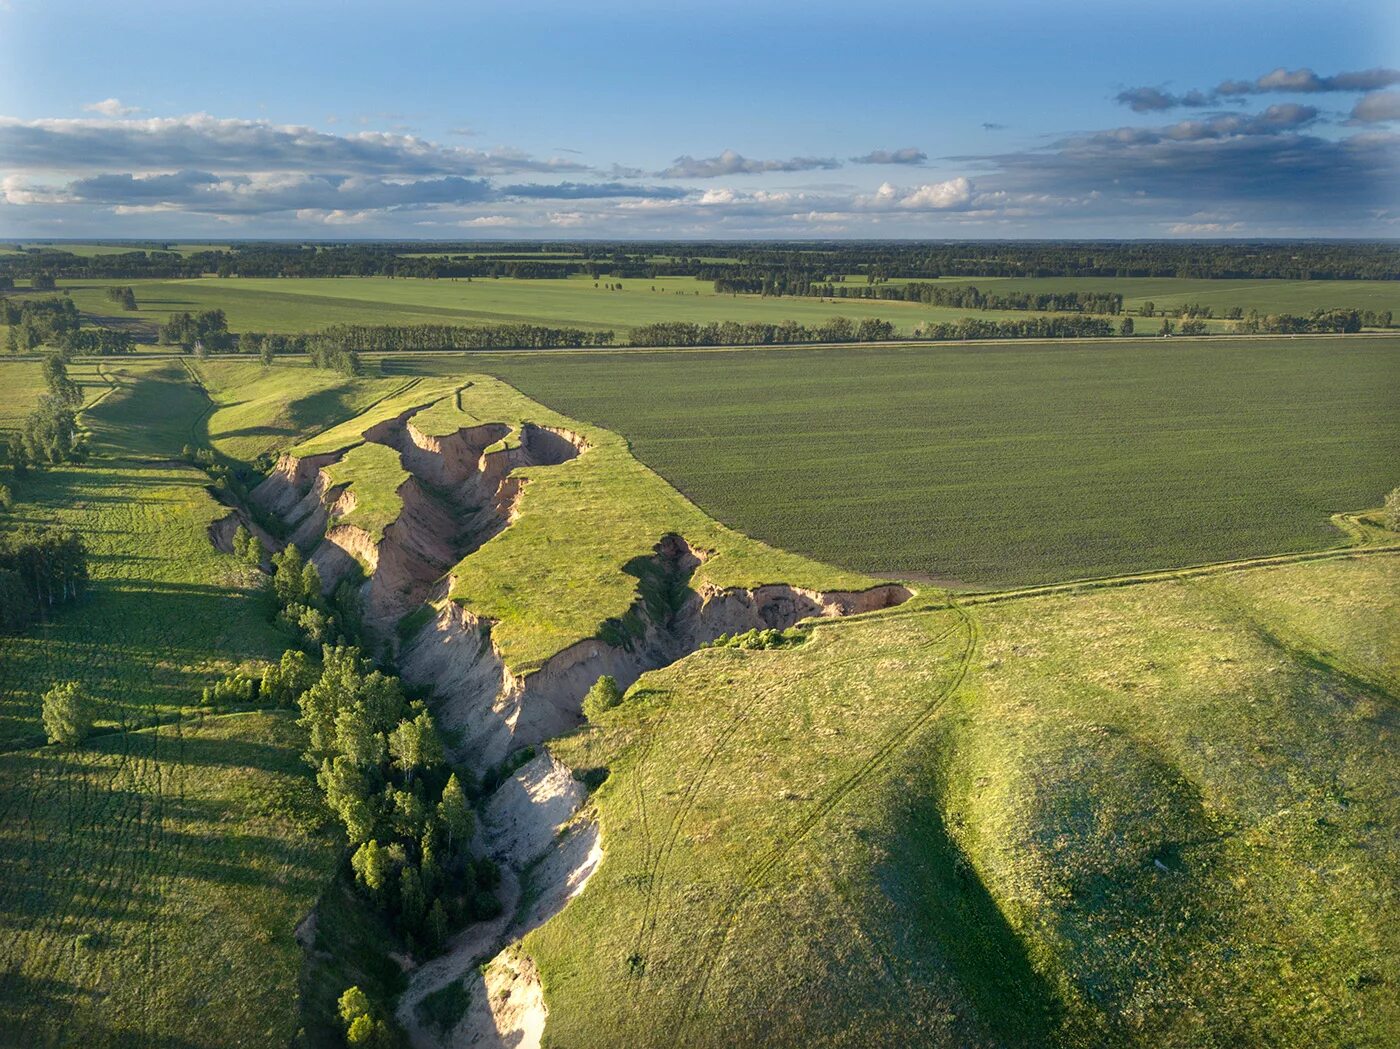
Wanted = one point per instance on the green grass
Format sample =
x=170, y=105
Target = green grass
x=150, y=884
x=165, y=612
x=572, y=560
x=1000, y=465
x=259, y=410
x=1129, y=817
x=150, y=880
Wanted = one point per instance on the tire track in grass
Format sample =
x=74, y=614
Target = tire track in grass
x=656, y=878
x=721, y=932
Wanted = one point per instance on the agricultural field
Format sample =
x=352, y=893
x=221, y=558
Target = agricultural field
x=310, y=304
x=1266, y=296
x=1002, y=465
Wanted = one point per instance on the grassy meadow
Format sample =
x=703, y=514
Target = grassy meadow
x=1148, y=815
x=150, y=880
x=995, y=465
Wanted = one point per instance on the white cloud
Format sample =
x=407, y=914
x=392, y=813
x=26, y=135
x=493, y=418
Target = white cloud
x=111, y=107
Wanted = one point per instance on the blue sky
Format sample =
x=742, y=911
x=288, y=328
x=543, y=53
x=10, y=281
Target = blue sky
x=699, y=120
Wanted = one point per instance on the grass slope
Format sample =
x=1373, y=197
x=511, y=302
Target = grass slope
x=258, y=410
x=575, y=555
x=151, y=882
x=1001, y=465
x=1129, y=817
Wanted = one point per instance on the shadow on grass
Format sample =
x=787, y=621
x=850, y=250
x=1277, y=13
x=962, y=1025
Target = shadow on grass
x=950, y=915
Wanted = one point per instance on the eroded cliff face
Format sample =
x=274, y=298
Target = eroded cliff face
x=456, y=497
x=492, y=711
x=461, y=490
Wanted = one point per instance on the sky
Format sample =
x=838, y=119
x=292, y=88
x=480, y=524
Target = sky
x=686, y=120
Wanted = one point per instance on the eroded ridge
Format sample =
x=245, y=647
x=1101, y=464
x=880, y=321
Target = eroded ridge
x=460, y=491
x=491, y=710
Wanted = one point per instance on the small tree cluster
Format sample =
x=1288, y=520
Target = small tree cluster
x=125, y=297
x=39, y=570
x=304, y=612
x=756, y=640
x=205, y=332
x=604, y=695
x=380, y=765
x=247, y=547
x=364, y=1022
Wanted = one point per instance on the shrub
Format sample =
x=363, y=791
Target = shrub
x=1392, y=510
x=604, y=695
x=753, y=640
x=66, y=713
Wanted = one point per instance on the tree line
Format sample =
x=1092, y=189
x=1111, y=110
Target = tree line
x=969, y=297
x=819, y=261
x=56, y=322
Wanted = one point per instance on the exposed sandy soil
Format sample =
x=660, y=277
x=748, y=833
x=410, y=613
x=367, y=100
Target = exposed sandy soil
x=533, y=828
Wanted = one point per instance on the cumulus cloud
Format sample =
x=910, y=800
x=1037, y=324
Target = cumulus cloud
x=731, y=163
x=111, y=107
x=1287, y=81
x=202, y=141
x=907, y=155
x=932, y=196
x=1377, y=107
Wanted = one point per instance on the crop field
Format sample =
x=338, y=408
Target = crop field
x=1041, y=821
x=1000, y=465
x=1299, y=297
x=309, y=304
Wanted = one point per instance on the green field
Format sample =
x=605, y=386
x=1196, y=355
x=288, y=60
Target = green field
x=151, y=872
x=151, y=883
x=309, y=304
x=998, y=465
x=1159, y=815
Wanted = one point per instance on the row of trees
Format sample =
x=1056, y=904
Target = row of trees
x=969, y=297
x=779, y=264
x=1067, y=327
x=739, y=333
x=40, y=569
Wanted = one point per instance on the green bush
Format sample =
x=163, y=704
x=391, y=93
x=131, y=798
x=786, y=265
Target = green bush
x=1392, y=510
x=67, y=714
x=752, y=640
x=604, y=695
